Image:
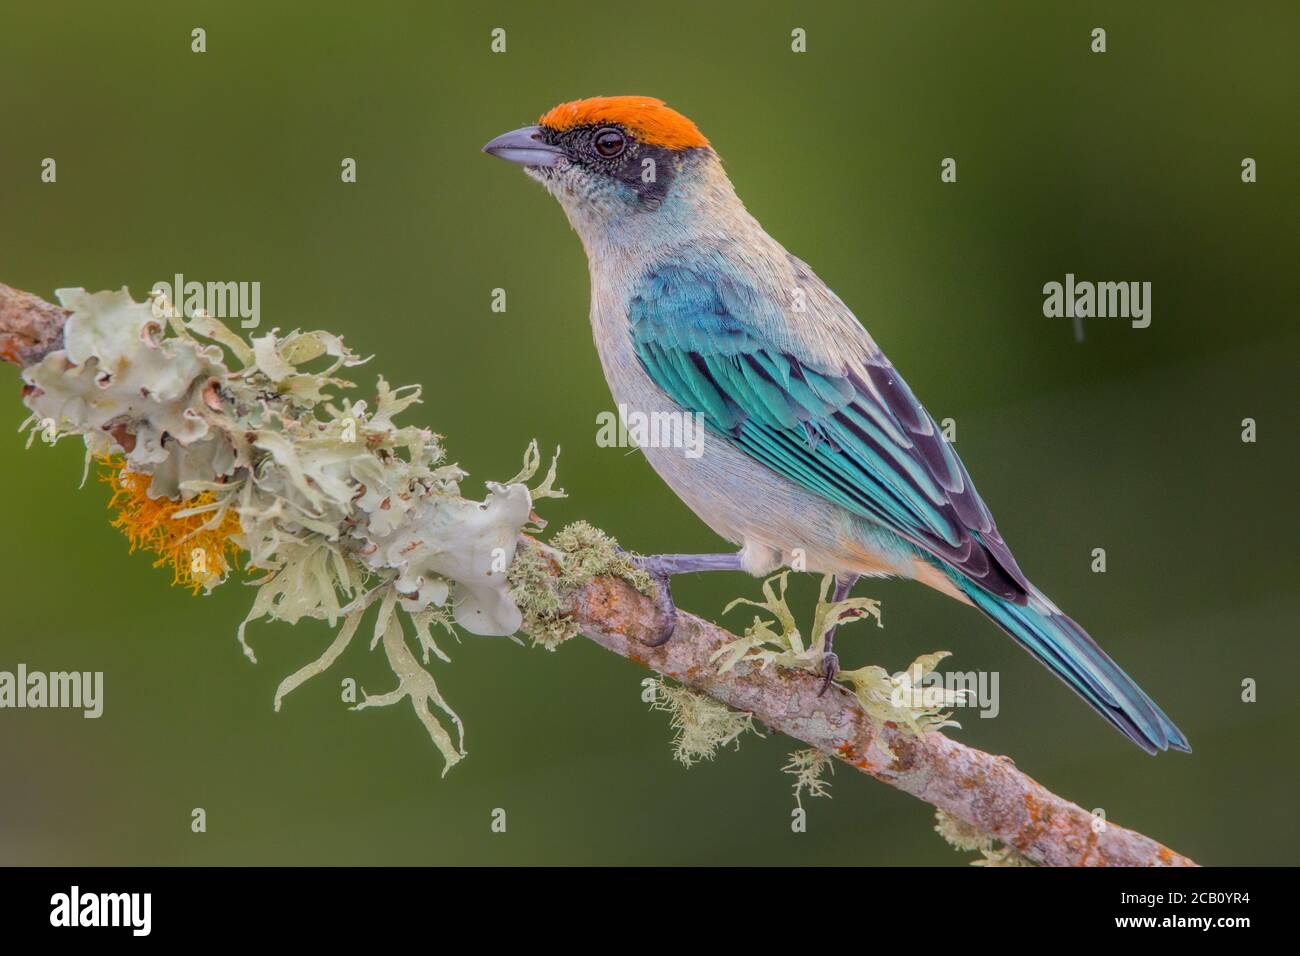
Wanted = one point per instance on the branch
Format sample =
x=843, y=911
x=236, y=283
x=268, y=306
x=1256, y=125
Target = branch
x=984, y=791
x=981, y=790
x=30, y=327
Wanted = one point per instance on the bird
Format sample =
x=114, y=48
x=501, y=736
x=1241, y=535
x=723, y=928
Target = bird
x=817, y=450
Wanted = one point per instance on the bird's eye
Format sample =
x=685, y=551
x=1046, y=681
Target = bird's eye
x=609, y=142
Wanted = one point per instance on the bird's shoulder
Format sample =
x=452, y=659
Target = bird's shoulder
x=733, y=298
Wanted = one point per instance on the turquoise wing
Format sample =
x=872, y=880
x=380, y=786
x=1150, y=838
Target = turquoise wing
x=855, y=436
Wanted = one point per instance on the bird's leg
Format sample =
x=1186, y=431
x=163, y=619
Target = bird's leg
x=662, y=567
x=670, y=564
x=830, y=665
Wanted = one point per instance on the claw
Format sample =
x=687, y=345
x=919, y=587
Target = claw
x=666, y=610
x=830, y=666
x=661, y=566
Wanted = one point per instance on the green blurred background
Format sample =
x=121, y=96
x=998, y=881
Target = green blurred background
x=1122, y=166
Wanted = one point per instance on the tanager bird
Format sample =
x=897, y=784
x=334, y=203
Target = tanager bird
x=816, y=447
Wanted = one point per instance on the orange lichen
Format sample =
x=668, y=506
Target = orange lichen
x=646, y=118
x=198, y=555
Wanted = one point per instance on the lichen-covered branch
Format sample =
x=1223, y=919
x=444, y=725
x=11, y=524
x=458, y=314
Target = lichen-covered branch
x=219, y=447
x=217, y=441
x=983, y=791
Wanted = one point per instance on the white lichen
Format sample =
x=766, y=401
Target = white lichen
x=338, y=507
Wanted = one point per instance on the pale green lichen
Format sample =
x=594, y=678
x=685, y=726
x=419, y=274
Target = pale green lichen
x=780, y=642
x=901, y=698
x=533, y=588
x=898, y=697
x=808, y=767
x=591, y=553
x=965, y=838
x=337, y=507
x=541, y=579
x=701, y=725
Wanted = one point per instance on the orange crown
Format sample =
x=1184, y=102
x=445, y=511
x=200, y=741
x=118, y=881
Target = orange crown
x=645, y=117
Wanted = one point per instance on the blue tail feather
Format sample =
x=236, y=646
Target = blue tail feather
x=1068, y=652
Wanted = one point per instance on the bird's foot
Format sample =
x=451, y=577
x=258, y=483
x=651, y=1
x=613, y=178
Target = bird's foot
x=829, y=667
x=665, y=609
x=661, y=567
x=668, y=564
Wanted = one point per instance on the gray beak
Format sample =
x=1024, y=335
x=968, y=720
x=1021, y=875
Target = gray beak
x=524, y=146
